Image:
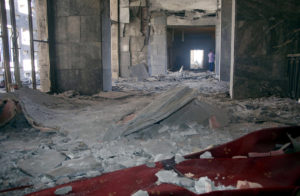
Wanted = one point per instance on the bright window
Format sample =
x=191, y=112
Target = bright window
x=197, y=59
x=23, y=6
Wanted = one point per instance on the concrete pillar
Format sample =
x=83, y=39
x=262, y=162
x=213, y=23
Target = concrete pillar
x=218, y=44
x=232, y=54
x=226, y=25
x=79, y=45
x=43, y=47
x=157, y=53
x=114, y=16
x=106, y=47
x=115, y=51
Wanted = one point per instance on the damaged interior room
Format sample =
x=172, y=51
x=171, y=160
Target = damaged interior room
x=150, y=97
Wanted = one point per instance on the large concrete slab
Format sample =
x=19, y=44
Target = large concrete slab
x=162, y=107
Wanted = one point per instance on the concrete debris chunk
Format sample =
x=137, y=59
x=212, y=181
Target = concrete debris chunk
x=75, y=166
x=186, y=182
x=206, y=155
x=41, y=164
x=151, y=164
x=179, y=158
x=246, y=185
x=161, y=157
x=140, y=193
x=166, y=176
x=203, y=185
x=63, y=191
x=189, y=175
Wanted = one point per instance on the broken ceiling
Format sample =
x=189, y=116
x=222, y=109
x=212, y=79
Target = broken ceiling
x=179, y=5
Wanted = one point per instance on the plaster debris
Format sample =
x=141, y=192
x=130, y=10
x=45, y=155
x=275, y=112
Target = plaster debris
x=179, y=158
x=206, y=155
x=205, y=185
x=161, y=157
x=92, y=117
x=186, y=182
x=140, y=193
x=63, y=191
x=151, y=164
x=36, y=165
x=246, y=184
x=189, y=175
x=200, y=186
x=167, y=176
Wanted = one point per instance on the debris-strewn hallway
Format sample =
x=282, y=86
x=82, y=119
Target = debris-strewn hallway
x=149, y=97
x=45, y=158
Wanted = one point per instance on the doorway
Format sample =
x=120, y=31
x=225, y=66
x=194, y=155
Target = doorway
x=197, y=59
x=188, y=47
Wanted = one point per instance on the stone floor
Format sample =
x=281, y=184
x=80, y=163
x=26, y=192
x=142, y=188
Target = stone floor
x=76, y=147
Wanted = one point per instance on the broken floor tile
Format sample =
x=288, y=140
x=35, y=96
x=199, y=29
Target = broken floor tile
x=63, y=191
x=42, y=163
x=75, y=167
x=167, y=176
x=156, y=147
x=140, y=193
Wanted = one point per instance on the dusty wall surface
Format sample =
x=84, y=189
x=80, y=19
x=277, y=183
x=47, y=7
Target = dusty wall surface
x=265, y=32
x=226, y=22
x=78, y=45
x=158, y=56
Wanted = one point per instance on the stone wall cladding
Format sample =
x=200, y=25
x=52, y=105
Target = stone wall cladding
x=78, y=45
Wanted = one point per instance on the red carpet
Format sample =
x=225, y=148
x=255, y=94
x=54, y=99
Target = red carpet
x=279, y=175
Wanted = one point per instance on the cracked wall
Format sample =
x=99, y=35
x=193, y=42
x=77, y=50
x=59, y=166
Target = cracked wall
x=133, y=49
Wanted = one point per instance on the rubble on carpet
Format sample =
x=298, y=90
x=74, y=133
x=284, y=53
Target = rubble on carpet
x=202, y=185
x=81, y=124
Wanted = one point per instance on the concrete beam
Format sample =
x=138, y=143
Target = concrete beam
x=179, y=5
x=179, y=21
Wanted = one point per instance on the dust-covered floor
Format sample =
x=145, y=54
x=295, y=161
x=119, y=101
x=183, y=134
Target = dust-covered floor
x=77, y=146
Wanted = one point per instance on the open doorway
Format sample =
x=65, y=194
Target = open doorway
x=188, y=47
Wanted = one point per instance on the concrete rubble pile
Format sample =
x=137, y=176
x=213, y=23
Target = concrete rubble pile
x=117, y=131
x=203, y=81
